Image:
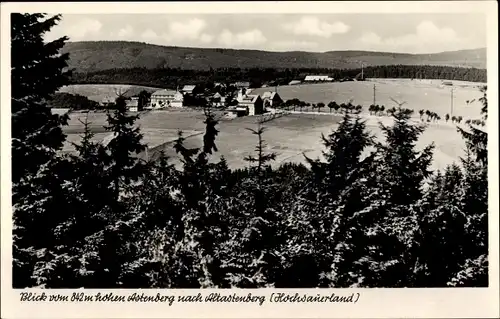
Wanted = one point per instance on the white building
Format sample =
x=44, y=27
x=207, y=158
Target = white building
x=242, y=85
x=133, y=104
x=166, y=98
x=217, y=100
x=253, y=104
x=294, y=82
x=315, y=78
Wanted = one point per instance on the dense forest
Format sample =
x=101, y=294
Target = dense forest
x=102, y=218
x=170, y=78
x=91, y=56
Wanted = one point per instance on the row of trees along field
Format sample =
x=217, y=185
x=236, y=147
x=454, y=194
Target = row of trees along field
x=166, y=77
x=102, y=218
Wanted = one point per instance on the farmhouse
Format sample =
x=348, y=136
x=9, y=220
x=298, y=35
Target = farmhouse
x=317, y=78
x=166, y=98
x=217, y=100
x=188, y=89
x=133, y=104
x=253, y=104
x=106, y=101
x=271, y=99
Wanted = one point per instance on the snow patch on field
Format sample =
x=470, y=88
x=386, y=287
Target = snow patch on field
x=290, y=136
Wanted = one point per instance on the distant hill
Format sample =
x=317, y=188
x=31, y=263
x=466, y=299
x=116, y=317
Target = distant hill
x=102, y=55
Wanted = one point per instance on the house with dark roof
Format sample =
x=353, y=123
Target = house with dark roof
x=271, y=99
x=188, y=89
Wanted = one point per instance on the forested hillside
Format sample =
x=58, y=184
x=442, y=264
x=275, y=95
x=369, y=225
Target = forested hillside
x=165, y=77
x=102, y=55
x=102, y=218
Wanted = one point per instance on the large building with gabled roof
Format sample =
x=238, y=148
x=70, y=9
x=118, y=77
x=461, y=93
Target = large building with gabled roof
x=166, y=98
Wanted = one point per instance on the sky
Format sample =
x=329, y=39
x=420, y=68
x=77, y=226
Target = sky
x=402, y=33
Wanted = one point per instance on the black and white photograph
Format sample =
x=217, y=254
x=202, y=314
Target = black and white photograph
x=249, y=150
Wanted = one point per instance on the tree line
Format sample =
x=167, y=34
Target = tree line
x=375, y=109
x=63, y=100
x=368, y=214
x=173, y=77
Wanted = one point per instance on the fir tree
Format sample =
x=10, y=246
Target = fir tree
x=386, y=253
x=38, y=174
x=343, y=187
x=403, y=170
x=473, y=270
x=37, y=73
x=125, y=145
x=206, y=205
x=93, y=182
x=256, y=262
x=477, y=138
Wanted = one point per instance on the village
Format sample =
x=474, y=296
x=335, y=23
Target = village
x=162, y=166
x=237, y=99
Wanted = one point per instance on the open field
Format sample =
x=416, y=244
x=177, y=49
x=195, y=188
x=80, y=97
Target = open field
x=157, y=127
x=100, y=92
x=293, y=135
x=418, y=94
x=290, y=136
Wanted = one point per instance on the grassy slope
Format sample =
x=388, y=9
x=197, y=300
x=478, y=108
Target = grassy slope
x=417, y=95
x=98, y=92
x=428, y=95
x=286, y=135
x=93, y=56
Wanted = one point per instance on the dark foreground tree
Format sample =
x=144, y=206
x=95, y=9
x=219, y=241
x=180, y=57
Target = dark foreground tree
x=341, y=188
x=124, y=146
x=36, y=73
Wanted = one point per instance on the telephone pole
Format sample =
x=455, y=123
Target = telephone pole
x=374, y=94
x=451, y=112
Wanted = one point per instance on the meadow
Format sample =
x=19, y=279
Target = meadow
x=100, y=92
x=296, y=135
x=290, y=137
x=418, y=94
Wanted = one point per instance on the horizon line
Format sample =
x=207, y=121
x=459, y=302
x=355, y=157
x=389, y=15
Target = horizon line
x=272, y=51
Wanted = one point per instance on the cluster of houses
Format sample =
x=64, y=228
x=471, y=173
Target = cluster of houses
x=244, y=103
